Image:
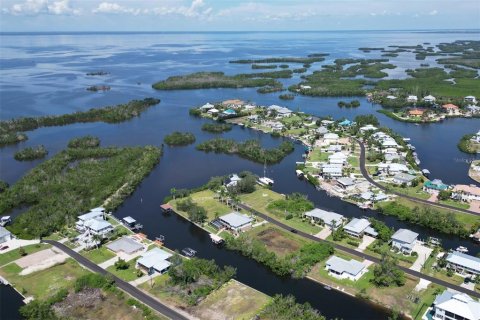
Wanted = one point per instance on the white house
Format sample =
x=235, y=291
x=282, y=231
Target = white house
x=452, y=305
x=429, y=99
x=389, y=143
x=332, y=171
x=99, y=227
x=207, y=106
x=213, y=111
x=330, y=137
x=5, y=235
x=470, y=99
x=344, y=269
x=236, y=221
x=463, y=263
x=358, y=227
x=322, y=130
x=368, y=127
x=392, y=168
x=281, y=111
x=94, y=214
x=412, y=99
x=466, y=193
x=334, y=148
x=404, y=240
x=277, y=126
x=155, y=260
x=401, y=178
x=347, y=184
x=338, y=157
x=330, y=219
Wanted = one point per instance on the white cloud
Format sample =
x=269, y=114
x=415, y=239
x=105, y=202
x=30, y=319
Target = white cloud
x=114, y=8
x=35, y=7
x=433, y=12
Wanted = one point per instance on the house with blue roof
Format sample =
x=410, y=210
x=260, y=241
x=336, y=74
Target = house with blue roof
x=229, y=112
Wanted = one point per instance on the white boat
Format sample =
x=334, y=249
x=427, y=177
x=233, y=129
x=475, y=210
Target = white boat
x=264, y=180
x=299, y=173
x=5, y=220
x=462, y=249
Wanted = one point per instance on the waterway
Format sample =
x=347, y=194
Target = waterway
x=45, y=74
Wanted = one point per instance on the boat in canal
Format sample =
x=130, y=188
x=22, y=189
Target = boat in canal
x=462, y=249
x=189, y=252
x=265, y=180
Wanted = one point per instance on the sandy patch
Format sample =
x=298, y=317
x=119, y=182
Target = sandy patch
x=40, y=260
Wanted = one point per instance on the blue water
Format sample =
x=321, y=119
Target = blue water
x=44, y=74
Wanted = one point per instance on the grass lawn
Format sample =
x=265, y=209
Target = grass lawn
x=404, y=260
x=233, y=300
x=44, y=283
x=261, y=198
x=15, y=254
x=353, y=161
x=127, y=274
x=206, y=200
x=345, y=241
x=317, y=156
x=426, y=298
x=416, y=192
x=277, y=240
x=160, y=290
x=456, y=204
x=99, y=255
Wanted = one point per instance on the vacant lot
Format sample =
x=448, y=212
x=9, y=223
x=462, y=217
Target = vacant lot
x=206, y=200
x=278, y=242
x=232, y=301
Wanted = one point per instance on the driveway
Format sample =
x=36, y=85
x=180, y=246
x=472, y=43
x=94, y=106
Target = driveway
x=423, y=254
x=366, y=241
x=324, y=233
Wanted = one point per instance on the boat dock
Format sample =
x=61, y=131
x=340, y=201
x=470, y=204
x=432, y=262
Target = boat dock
x=216, y=239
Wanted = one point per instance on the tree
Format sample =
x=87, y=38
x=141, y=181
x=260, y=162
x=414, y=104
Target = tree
x=97, y=239
x=387, y=273
x=444, y=194
x=173, y=193
x=22, y=251
x=121, y=264
x=197, y=214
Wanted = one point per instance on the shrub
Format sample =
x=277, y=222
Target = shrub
x=84, y=142
x=121, y=264
x=31, y=153
x=179, y=138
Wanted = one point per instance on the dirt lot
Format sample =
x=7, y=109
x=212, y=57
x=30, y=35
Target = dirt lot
x=277, y=242
x=233, y=301
x=40, y=260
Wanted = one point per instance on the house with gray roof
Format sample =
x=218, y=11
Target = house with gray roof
x=404, y=240
x=403, y=178
x=99, y=227
x=5, y=235
x=358, y=227
x=155, y=260
x=236, y=221
x=126, y=245
x=452, y=305
x=346, y=183
x=330, y=219
x=94, y=214
x=344, y=269
x=322, y=130
x=463, y=263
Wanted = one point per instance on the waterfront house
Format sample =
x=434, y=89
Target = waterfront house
x=233, y=103
x=389, y=143
x=345, y=269
x=249, y=107
x=390, y=157
x=368, y=127
x=429, y=99
x=451, y=109
x=98, y=227
x=332, y=171
x=207, y=107
x=126, y=245
x=434, y=186
x=281, y=111
x=330, y=138
x=453, y=305
x=466, y=192
x=338, y=157
x=328, y=218
x=358, y=227
x=236, y=221
x=392, y=168
x=347, y=184
x=213, y=112
x=403, y=178
x=470, y=99
x=463, y=264
x=345, y=123
x=229, y=112
x=253, y=118
x=277, y=126
x=473, y=109
x=412, y=99
x=403, y=240
x=5, y=235
x=95, y=214
x=334, y=148
x=155, y=260
x=370, y=196
x=416, y=112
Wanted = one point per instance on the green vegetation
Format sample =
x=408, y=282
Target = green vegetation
x=72, y=182
x=445, y=222
x=10, y=130
x=195, y=212
x=264, y=66
x=467, y=145
x=270, y=89
x=196, y=278
x=216, y=127
x=207, y=80
x=285, y=308
x=364, y=119
x=84, y=142
x=179, y=138
x=250, y=149
x=387, y=273
x=310, y=59
x=351, y=104
x=300, y=70
x=125, y=270
x=15, y=254
x=286, y=96
x=99, y=255
x=295, y=203
x=31, y=153
x=297, y=263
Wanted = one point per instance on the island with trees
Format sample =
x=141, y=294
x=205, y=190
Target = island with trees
x=31, y=153
x=178, y=138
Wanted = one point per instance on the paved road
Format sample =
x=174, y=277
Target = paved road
x=360, y=254
x=365, y=174
x=125, y=286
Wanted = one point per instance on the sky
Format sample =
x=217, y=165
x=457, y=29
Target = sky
x=236, y=15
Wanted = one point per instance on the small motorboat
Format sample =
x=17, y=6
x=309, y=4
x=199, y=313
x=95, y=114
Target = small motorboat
x=265, y=181
x=462, y=249
x=299, y=173
x=189, y=252
x=327, y=287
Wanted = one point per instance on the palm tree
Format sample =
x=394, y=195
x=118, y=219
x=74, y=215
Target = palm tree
x=173, y=192
x=97, y=239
